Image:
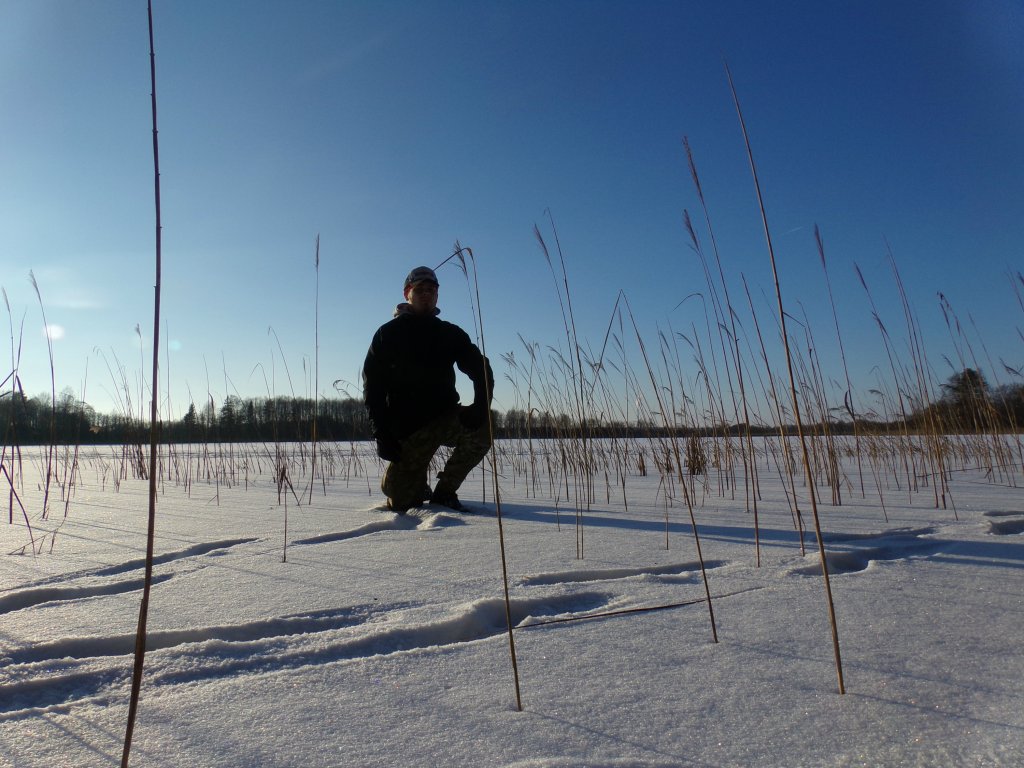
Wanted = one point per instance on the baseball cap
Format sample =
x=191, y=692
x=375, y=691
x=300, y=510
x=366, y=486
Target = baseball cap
x=419, y=275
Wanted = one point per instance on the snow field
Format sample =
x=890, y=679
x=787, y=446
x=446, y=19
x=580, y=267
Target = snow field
x=381, y=640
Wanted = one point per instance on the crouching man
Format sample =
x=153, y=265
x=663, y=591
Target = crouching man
x=409, y=391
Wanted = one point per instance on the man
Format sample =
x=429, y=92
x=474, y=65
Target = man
x=409, y=391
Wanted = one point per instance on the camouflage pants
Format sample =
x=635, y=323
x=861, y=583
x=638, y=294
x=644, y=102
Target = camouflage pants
x=405, y=481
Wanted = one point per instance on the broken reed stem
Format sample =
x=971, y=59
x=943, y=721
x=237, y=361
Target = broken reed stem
x=792, y=384
x=140, y=635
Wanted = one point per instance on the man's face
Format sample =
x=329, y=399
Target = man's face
x=422, y=297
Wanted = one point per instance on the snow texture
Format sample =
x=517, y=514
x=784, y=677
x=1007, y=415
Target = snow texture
x=375, y=639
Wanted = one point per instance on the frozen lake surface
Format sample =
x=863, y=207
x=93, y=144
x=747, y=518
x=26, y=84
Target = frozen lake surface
x=381, y=640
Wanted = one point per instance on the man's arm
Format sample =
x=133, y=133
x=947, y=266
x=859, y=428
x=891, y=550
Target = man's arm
x=472, y=362
x=374, y=387
x=375, y=398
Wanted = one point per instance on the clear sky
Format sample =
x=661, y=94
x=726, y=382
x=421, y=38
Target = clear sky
x=393, y=129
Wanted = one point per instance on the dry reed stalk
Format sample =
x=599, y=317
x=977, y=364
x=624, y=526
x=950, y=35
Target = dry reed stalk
x=816, y=387
x=14, y=468
x=878, y=482
x=581, y=496
x=720, y=326
x=932, y=441
x=906, y=452
x=848, y=398
x=792, y=381
x=716, y=402
x=226, y=467
x=619, y=450
x=747, y=445
x=172, y=459
x=14, y=497
x=70, y=482
x=52, y=447
x=140, y=635
x=1008, y=414
x=696, y=450
x=992, y=449
x=675, y=446
x=816, y=413
x=751, y=355
x=798, y=524
x=316, y=372
x=599, y=367
x=494, y=471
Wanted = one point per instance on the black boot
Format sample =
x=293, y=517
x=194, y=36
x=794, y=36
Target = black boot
x=401, y=509
x=446, y=499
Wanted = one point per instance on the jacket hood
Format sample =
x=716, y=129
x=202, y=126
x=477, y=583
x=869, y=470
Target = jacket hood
x=405, y=309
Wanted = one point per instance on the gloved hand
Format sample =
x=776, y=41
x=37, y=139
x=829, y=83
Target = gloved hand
x=472, y=417
x=388, y=447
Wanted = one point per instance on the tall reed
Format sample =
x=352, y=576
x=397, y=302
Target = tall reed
x=462, y=253
x=726, y=314
x=140, y=635
x=674, y=444
x=582, y=486
x=52, y=446
x=316, y=371
x=848, y=396
x=795, y=399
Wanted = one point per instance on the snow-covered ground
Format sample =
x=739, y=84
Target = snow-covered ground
x=381, y=640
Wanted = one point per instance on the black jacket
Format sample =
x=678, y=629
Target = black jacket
x=408, y=375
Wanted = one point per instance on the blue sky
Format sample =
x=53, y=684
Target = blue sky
x=393, y=129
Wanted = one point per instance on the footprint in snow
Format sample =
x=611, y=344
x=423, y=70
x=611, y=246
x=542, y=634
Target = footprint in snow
x=1006, y=527
x=29, y=598
x=54, y=676
x=888, y=548
x=63, y=588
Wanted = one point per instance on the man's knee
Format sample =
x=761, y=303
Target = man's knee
x=479, y=441
x=405, y=484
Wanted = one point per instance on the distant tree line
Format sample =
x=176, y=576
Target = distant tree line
x=967, y=404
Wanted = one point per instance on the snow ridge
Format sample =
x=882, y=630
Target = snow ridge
x=28, y=598
x=897, y=545
x=410, y=521
x=53, y=676
x=690, y=572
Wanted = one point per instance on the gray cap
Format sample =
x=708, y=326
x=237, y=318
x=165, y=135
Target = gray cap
x=419, y=275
